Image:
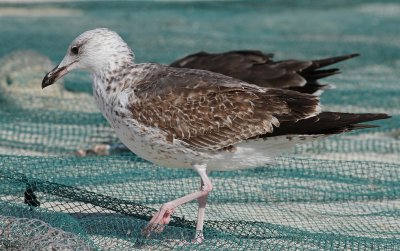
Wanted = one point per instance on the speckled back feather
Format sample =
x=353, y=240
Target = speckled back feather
x=211, y=111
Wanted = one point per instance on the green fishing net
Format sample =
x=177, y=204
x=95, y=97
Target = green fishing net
x=66, y=183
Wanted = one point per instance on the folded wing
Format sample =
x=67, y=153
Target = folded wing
x=210, y=111
x=258, y=68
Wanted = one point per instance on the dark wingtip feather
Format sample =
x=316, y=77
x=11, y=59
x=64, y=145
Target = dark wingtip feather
x=373, y=116
x=329, y=123
x=354, y=55
x=363, y=126
x=329, y=61
x=317, y=74
x=314, y=71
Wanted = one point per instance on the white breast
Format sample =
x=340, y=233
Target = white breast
x=146, y=142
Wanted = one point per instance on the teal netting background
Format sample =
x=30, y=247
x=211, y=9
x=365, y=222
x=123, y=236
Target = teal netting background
x=342, y=193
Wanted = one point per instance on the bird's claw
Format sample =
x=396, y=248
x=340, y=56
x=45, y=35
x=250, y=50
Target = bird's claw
x=159, y=220
x=198, y=238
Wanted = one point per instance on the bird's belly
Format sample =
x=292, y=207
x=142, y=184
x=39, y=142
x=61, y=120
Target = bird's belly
x=255, y=152
x=150, y=144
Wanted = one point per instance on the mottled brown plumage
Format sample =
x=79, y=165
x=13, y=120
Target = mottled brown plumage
x=258, y=68
x=210, y=111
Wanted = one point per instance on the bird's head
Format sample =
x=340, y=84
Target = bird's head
x=95, y=51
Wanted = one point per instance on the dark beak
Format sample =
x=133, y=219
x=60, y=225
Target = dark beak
x=54, y=75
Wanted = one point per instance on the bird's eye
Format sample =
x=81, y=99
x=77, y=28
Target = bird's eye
x=75, y=50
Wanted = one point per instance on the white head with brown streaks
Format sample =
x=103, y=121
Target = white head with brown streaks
x=97, y=51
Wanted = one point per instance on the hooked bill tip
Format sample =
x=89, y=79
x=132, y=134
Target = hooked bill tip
x=53, y=75
x=46, y=81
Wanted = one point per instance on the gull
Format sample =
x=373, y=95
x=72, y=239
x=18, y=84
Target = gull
x=256, y=67
x=190, y=118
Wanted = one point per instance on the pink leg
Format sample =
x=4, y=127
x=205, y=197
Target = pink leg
x=199, y=237
x=162, y=217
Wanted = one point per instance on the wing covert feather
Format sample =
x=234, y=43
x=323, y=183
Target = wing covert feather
x=210, y=111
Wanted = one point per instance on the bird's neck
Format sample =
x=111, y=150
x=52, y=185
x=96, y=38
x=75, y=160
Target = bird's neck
x=109, y=79
x=113, y=63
